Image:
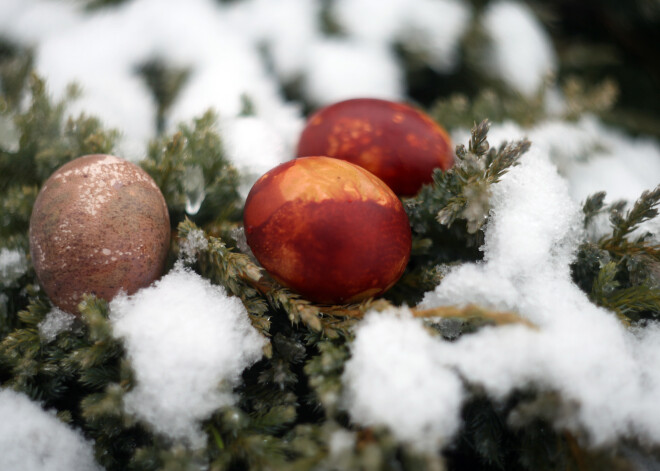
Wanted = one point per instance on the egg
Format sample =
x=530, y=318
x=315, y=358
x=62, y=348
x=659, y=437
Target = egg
x=396, y=142
x=99, y=225
x=327, y=229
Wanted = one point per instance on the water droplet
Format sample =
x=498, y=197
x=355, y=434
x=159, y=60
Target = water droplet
x=193, y=186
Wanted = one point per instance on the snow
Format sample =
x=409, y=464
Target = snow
x=13, y=265
x=35, y=20
x=341, y=442
x=529, y=245
x=285, y=28
x=393, y=380
x=32, y=439
x=102, y=50
x=192, y=245
x=9, y=135
x=56, y=321
x=430, y=27
x=604, y=373
x=222, y=47
x=188, y=343
x=254, y=147
x=340, y=69
x=521, y=52
x=592, y=157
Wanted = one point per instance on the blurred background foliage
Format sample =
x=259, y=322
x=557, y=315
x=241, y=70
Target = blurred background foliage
x=597, y=42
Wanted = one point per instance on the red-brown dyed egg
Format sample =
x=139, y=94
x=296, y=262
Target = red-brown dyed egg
x=328, y=229
x=99, y=225
x=395, y=142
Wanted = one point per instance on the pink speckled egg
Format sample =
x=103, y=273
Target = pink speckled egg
x=99, y=225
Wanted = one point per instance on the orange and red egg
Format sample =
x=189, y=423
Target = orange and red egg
x=327, y=229
x=396, y=142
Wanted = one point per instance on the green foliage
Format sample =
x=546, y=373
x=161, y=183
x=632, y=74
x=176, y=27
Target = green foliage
x=79, y=373
x=195, y=177
x=46, y=139
x=165, y=83
x=242, y=277
x=447, y=217
x=619, y=270
x=459, y=110
x=15, y=66
x=645, y=208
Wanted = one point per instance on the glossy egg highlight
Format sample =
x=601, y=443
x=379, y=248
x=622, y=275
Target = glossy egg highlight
x=99, y=225
x=396, y=142
x=327, y=229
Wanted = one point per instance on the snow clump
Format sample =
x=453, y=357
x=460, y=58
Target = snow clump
x=56, y=321
x=254, y=147
x=188, y=343
x=430, y=27
x=13, y=265
x=339, y=69
x=603, y=372
x=32, y=439
x=394, y=379
x=190, y=247
x=521, y=51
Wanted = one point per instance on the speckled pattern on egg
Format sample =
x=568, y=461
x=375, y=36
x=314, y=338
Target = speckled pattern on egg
x=394, y=141
x=328, y=229
x=99, y=225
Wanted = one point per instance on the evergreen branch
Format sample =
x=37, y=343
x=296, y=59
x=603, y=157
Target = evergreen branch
x=469, y=313
x=324, y=372
x=98, y=376
x=473, y=313
x=232, y=268
x=478, y=139
x=625, y=301
x=605, y=283
x=274, y=420
x=243, y=278
x=618, y=244
x=645, y=208
x=593, y=206
x=500, y=104
x=635, y=299
x=193, y=173
x=15, y=209
x=108, y=403
x=607, y=292
x=297, y=308
x=506, y=157
x=580, y=99
x=164, y=82
x=631, y=249
x=617, y=272
x=476, y=169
